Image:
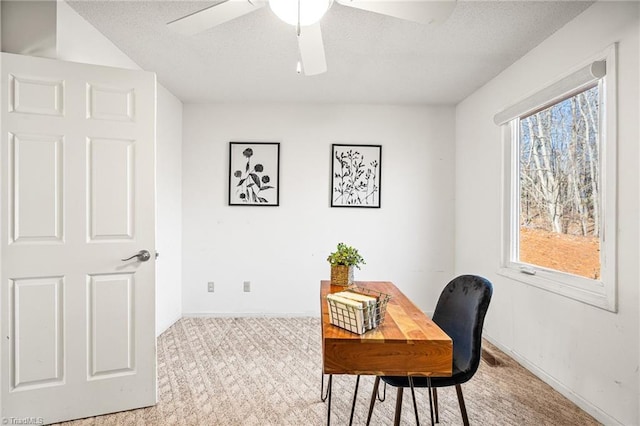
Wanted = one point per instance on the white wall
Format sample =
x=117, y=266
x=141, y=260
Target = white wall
x=169, y=211
x=589, y=354
x=29, y=28
x=79, y=41
x=282, y=250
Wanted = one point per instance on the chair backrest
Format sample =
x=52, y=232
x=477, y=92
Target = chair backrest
x=460, y=313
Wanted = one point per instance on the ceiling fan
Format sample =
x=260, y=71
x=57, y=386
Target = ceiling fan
x=306, y=15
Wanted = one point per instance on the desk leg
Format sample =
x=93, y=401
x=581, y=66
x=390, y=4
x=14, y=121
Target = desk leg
x=413, y=397
x=323, y=394
x=373, y=398
x=329, y=398
x=435, y=404
x=384, y=392
x=355, y=395
x=430, y=400
x=396, y=420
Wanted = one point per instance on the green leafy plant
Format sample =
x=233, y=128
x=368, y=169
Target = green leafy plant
x=346, y=255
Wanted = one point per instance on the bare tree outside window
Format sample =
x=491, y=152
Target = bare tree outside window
x=559, y=178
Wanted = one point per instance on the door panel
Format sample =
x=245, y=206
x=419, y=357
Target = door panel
x=112, y=335
x=77, y=187
x=37, y=332
x=35, y=95
x=35, y=204
x=111, y=103
x=111, y=166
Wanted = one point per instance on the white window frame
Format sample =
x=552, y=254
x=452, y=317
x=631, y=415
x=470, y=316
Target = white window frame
x=600, y=292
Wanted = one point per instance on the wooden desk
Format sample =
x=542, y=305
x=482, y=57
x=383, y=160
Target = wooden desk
x=407, y=343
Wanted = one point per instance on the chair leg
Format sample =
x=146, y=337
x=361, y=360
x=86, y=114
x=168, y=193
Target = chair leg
x=413, y=396
x=355, y=396
x=463, y=409
x=435, y=404
x=396, y=420
x=373, y=398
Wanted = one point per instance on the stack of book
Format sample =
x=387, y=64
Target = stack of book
x=354, y=311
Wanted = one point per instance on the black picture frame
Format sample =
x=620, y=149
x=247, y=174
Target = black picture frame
x=356, y=175
x=254, y=174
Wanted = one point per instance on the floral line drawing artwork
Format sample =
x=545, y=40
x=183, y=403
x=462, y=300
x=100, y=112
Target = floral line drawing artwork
x=250, y=189
x=254, y=173
x=356, y=175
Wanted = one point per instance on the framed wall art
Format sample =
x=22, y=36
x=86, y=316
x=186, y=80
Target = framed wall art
x=254, y=173
x=356, y=172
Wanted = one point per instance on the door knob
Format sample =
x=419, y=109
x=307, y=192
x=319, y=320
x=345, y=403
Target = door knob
x=142, y=255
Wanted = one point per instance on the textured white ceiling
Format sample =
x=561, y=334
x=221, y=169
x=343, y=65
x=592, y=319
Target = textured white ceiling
x=370, y=58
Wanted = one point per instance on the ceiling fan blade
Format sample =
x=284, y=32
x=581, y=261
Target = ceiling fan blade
x=312, y=50
x=420, y=11
x=214, y=15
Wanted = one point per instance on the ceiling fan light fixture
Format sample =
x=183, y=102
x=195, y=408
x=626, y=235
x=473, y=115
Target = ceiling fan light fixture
x=311, y=11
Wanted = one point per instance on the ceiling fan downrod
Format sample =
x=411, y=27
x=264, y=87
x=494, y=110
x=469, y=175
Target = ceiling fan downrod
x=298, y=18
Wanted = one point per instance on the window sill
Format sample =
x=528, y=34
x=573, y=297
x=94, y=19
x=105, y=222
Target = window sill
x=583, y=290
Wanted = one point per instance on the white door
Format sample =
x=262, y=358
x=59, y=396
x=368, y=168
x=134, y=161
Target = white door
x=77, y=179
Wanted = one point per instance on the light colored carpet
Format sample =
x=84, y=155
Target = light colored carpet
x=266, y=371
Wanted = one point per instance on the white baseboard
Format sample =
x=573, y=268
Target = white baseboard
x=165, y=326
x=250, y=314
x=585, y=405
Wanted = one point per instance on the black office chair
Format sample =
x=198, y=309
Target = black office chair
x=460, y=313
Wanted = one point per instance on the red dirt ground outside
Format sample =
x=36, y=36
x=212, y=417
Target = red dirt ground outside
x=568, y=253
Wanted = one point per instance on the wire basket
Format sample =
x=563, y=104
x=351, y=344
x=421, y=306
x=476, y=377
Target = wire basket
x=357, y=309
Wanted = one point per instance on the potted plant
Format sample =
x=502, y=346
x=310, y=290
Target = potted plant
x=342, y=262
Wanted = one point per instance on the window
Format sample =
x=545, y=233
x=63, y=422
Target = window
x=558, y=185
x=560, y=192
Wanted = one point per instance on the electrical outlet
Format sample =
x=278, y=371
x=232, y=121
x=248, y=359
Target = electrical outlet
x=247, y=286
x=210, y=287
